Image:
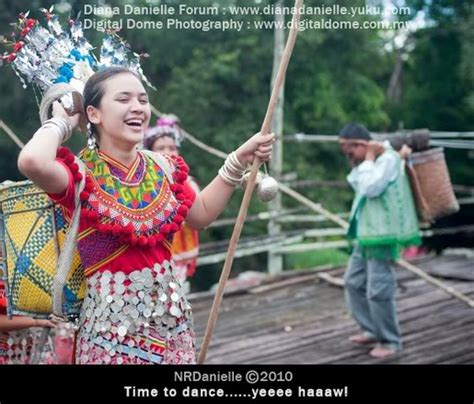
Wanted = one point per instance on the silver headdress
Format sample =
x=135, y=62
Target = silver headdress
x=43, y=56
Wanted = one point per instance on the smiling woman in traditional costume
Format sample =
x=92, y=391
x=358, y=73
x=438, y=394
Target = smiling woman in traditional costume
x=131, y=203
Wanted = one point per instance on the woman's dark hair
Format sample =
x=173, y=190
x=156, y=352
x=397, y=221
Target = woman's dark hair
x=94, y=88
x=150, y=141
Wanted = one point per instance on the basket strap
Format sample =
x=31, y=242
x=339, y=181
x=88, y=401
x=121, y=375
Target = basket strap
x=67, y=254
x=163, y=163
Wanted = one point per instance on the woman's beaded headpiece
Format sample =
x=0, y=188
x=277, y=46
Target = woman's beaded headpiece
x=166, y=125
x=43, y=56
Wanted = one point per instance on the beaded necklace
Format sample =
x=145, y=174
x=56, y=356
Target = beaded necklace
x=140, y=205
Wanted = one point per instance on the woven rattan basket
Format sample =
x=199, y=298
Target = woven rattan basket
x=32, y=233
x=431, y=185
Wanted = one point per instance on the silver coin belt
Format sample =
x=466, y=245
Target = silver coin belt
x=120, y=309
x=20, y=345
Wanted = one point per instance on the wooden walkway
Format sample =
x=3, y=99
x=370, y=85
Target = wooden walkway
x=301, y=318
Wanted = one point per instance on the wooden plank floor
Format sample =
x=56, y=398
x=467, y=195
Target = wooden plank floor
x=302, y=319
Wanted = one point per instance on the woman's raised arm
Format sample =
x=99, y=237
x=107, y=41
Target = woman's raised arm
x=214, y=198
x=37, y=160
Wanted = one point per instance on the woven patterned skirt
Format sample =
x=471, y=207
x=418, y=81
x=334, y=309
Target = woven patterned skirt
x=136, y=318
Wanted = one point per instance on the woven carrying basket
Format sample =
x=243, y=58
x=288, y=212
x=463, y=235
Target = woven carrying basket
x=32, y=234
x=431, y=185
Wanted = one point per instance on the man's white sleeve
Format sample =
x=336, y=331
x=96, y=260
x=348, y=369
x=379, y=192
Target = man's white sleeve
x=374, y=177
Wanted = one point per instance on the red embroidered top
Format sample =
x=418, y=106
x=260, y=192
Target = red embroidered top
x=128, y=214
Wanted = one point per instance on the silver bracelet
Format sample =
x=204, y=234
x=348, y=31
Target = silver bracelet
x=60, y=126
x=51, y=127
x=233, y=170
x=233, y=181
x=234, y=164
x=235, y=161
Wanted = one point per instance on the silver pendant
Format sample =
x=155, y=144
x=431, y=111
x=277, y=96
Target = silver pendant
x=267, y=188
x=91, y=143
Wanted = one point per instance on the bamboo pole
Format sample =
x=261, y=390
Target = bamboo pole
x=257, y=217
x=314, y=206
x=309, y=137
x=192, y=139
x=436, y=282
x=320, y=245
x=244, y=251
x=10, y=133
x=275, y=261
x=307, y=218
x=250, y=185
x=250, y=246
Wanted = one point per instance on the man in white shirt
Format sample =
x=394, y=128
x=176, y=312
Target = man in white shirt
x=379, y=229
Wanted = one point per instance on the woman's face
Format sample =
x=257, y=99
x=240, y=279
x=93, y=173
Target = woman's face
x=124, y=111
x=165, y=145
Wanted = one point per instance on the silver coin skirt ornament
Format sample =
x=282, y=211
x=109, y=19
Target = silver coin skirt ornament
x=140, y=317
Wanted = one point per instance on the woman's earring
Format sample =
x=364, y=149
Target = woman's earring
x=91, y=144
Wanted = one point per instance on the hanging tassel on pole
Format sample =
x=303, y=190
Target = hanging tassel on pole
x=250, y=185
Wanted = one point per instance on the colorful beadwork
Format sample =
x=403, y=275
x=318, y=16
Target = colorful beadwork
x=138, y=204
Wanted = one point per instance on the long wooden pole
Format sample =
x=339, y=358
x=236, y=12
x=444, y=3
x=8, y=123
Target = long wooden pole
x=275, y=261
x=430, y=279
x=10, y=133
x=250, y=185
x=316, y=207
x=192, y=139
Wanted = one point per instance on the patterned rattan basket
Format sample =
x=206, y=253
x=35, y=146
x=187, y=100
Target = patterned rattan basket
x=32, y=232
x=431, y=185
